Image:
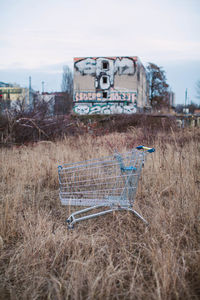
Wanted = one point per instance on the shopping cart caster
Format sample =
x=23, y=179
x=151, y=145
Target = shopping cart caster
x=69, y=221
x=70, y=226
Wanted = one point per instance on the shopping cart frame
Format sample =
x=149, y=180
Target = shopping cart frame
x=109, y=182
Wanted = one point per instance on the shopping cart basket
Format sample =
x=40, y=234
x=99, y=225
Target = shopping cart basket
x=106, y=182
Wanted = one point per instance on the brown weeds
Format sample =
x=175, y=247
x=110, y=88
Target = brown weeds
x=112, y=257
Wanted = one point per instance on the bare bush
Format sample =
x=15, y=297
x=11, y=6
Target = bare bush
x=36, y=125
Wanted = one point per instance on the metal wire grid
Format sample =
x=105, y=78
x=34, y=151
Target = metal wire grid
x=109, y=181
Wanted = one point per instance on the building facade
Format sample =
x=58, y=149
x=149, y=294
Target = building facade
x=13, y=93
x=107, y=85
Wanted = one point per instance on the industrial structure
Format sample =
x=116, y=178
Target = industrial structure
x=108, y=85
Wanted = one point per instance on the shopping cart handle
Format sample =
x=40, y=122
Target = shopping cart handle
x=150, y=150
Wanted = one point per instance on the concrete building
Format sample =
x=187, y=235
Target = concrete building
x=13, y=93
x=107, y=85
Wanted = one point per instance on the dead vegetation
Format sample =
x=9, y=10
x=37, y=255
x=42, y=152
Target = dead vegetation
x=18, y=128
x=115, y=257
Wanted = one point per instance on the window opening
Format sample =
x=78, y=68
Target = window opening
x=105, y=65
x=105, y=94
x=105, y=79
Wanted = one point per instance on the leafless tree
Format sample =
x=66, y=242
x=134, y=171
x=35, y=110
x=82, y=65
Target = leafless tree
x=18, y=107
x=67, y=81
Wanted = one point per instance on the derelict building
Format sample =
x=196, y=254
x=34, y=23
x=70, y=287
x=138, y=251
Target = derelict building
x=107, y=85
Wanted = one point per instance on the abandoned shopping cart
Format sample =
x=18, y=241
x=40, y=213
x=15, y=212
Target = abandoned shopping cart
x=99, y=183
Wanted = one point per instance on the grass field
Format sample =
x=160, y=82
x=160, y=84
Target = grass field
x=112, y=257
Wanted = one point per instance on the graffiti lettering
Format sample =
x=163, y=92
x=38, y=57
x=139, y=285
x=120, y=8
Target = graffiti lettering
x=104, y=109
x=113, y=96
x=94, y=67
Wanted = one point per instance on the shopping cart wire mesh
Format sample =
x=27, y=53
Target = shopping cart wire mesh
x=105, y=182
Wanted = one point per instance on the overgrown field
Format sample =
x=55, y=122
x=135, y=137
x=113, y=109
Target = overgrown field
x=111, y=257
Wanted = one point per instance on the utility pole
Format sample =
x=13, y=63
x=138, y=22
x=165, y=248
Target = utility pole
x=185, y=99
x=42, y=87
x=30, y=93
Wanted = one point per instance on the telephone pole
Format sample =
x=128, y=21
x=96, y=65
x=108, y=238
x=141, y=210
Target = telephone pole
x=185, y=99
x=42, y=87
x=30, y=93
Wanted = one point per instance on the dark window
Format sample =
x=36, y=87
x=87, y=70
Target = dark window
x=105, y=65
x=105, y=79
x=105, y=94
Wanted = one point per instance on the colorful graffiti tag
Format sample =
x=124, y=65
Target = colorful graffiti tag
x=104, y=109
x=87, y=96
x=93, y=66
x=112, y=96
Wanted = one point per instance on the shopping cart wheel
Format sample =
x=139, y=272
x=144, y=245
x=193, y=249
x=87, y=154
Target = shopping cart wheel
x=69, y=223
x=70, y=226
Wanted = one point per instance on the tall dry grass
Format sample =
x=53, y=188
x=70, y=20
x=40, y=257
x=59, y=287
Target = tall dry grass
x=112, y=257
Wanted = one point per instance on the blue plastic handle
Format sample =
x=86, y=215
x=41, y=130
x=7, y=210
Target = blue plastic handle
x=150, y=150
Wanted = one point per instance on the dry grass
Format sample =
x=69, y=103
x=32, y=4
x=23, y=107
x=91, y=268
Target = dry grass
x=112, y=257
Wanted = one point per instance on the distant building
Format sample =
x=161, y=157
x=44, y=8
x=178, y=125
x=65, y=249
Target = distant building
x=106, y=85
x=172, y=99
x=57, y=103
x=3, y=84
x=197, y=112
x=12, y=93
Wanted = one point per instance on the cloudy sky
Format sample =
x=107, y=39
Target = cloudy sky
x=38, y=37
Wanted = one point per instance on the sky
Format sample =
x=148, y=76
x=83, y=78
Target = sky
x=37, y=38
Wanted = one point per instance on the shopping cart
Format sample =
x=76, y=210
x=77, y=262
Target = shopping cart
x=108, y=182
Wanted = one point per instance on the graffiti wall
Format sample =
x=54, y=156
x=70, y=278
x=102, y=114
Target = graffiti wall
x=108, y=79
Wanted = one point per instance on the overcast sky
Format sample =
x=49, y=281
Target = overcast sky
x=38, y=37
